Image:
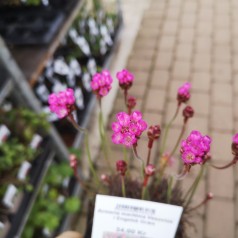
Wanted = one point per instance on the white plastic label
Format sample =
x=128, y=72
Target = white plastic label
x=79, y=98
x=58, y=86
x=110, y=25
x=92, y=66
x=50, y=116
x=75, y=67
x=60, y=67
x=86, y=82
x=2, y=226
x=4, y=133
x=60, y=199
x=103, y=47
x=83, y=44
x=35, y=142
x=9, y=196
x=42, y=92
x=23, y=171
x=73, y=34
x=134, y=218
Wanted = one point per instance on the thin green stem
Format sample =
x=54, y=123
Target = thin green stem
x=105, y=146
x=123, y=188
x=144, y=190
x=169, y=191
x=167, y=130
x=179, y=139
x=139, y=158
x=90, y=162
x=194, y=186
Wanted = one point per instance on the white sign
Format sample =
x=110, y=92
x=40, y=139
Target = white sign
x=116, y=217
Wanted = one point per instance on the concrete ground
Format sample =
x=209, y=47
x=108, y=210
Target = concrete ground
x=195, y=41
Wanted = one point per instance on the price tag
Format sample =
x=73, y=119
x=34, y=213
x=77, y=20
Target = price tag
x=9, y=196
x=4, y=133
x=42, y=92
x=134, y=218
x=35, y=142
x=23, y=171
x=86, y=82
x=79, y=98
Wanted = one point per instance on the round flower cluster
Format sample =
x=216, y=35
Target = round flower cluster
x=184, y=93
x=62, y=103
x=101, y=83
x=125, y=79
x=128, y=128
x=194, y=148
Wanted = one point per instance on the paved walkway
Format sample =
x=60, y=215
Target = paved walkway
x=195, y=41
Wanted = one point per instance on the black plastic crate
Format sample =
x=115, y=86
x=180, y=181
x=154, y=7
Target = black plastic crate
x=29, y=25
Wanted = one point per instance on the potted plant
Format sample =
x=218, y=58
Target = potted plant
x=151, y=181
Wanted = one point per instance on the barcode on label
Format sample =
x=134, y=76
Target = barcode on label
x=108, y=234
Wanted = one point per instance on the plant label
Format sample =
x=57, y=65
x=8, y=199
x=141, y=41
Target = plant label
x=9, y=196
x=22, y=172
x=4, y=133
x=35, y=142
x=116, y=217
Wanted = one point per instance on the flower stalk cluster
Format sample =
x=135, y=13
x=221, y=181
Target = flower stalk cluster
x=127, y=131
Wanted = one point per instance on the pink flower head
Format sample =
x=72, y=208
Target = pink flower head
x=62, y=103
x=101, y=83
x=125, y=79
x=128, y=128
x=149, y=170
x=121, y=166
x=184, y=93
x=195, y=148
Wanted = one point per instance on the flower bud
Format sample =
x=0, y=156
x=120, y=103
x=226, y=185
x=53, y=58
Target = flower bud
x=188, y=112
x=154, y=132
x=121, y=166
x=131, y=102
x=125, y=79
x=210, y=195
x=104, y=178
x=150, y=170
x=73, y=161
x=184, y=93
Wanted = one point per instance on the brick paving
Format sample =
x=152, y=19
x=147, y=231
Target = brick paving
x=196, y=41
